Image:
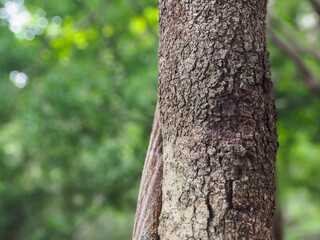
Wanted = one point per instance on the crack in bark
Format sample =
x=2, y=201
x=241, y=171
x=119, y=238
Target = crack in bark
x=229, y=192
x=209, y=220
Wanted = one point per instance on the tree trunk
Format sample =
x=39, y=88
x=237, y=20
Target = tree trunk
x=218, y=124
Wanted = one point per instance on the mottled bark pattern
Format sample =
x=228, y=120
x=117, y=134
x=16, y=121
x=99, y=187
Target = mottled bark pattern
x=218, y=120
x=149, y=201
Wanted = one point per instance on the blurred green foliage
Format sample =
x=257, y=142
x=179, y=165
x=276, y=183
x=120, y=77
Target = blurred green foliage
x=78, y=87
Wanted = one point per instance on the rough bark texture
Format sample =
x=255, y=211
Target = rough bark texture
x=149, y=201
x=218, y=120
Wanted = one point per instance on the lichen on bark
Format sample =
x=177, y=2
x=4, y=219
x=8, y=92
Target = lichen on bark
x=218, y=120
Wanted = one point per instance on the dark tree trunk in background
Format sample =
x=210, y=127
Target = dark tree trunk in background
x=277, y=228
x=218, y=125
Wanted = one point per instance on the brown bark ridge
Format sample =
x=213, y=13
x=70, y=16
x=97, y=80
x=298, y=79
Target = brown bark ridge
x=149, y=200
x=218, y=120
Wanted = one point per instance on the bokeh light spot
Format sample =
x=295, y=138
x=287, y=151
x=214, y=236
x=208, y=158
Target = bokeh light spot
x=19, y=78
x=42, y=22
x=29, y=35
x=56, y=20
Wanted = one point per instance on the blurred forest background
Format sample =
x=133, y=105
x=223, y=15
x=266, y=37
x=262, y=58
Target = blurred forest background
x=78, y=89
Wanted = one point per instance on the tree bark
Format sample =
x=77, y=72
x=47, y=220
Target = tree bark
x=149, y=200
x=218, y=122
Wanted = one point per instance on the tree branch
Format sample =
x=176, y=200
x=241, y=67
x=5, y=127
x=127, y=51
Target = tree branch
x=289, y=34
x=316, y=5
x=308, y=78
